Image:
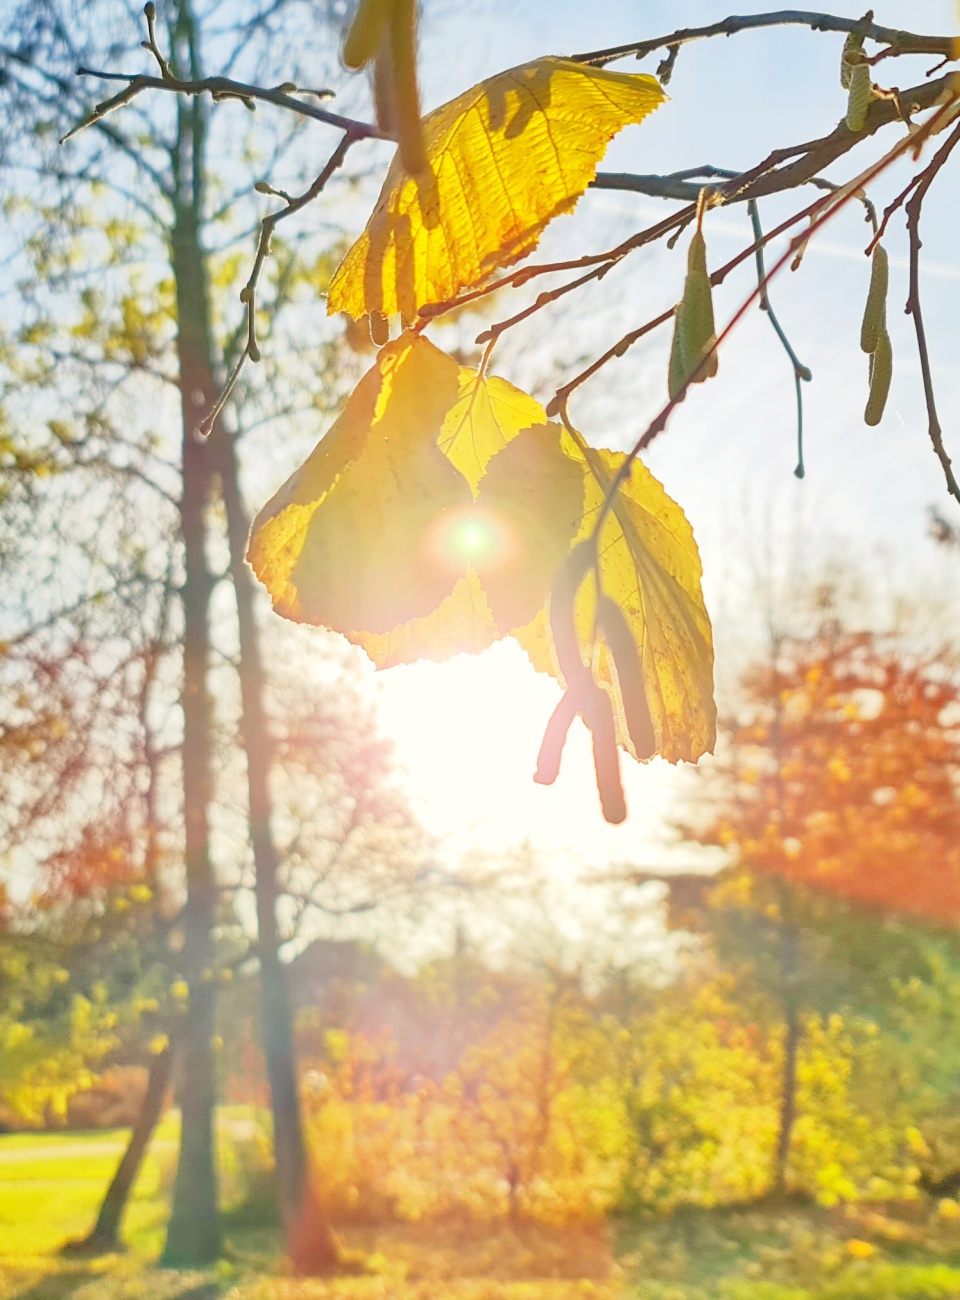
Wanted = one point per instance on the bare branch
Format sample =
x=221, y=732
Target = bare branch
x=829, y=207
x=785, y=169
x=914, y=210
x=801, y=373
x=899, y=42
x=248, y=294
x=218, y=88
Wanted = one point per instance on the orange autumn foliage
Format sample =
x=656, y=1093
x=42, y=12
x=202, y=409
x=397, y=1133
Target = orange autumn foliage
x=845, y=775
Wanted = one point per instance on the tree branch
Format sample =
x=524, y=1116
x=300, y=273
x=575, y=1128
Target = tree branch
x=218, y=88
x=914, y=210
x=248, y=294
x=900, y=42
x=771, y=176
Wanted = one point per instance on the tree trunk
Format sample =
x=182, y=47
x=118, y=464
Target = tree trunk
x=788, y=1082
x=104, y=1237
x=311, y=1243
x=193, y=1236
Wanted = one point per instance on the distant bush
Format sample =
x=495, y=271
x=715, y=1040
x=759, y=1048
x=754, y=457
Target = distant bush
x=559, y=1115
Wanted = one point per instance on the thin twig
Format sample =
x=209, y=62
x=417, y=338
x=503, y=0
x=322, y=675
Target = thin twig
x=900, y=42
x=562, y=395
x=717, y=277
x=150, y=13
x=514, y=279
x=829, y=208
x=543, y=300
x=801, y=373
x=218, y=88
x=914, y=210
x=248, y=294
x=892, y=207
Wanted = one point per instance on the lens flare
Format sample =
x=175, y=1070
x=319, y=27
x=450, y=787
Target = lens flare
x=472, y=536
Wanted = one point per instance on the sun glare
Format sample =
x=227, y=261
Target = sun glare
x=474, y=535
x=467, y=733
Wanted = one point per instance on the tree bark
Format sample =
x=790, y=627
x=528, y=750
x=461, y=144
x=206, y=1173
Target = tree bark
x=311, y=1243
x=193, y=1235
x=104, y=1237
x=791, y=1044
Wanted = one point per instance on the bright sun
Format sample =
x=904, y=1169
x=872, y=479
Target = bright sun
x=467, y=733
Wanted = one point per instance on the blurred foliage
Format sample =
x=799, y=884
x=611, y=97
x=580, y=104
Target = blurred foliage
x=561, y=1112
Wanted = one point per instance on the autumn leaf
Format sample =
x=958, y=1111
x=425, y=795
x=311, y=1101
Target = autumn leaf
x=339, y=543
x=536, y=495
x=377, y=534
x=461, y=623
x=433, y=517
x=650, y=567
x=503, y=159
x=488, y=414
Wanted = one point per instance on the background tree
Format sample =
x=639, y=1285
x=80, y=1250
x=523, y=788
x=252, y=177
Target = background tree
x=836, y=798
x=160, y=327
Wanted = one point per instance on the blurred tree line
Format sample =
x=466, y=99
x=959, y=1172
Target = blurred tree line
x=791, y=1033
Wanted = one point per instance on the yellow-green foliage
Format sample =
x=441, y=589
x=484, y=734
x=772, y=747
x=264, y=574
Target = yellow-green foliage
x=705, y=1103
x=509, y=1133
x=558, y=1116
x=698, y=1088
x=852, y=1138
x=45, y=1059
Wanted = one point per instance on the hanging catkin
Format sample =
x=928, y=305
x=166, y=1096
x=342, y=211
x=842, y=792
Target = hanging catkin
x=881, y=372
x=852, y=47
x=693, y=331
x=875, y=312
x=858, y=96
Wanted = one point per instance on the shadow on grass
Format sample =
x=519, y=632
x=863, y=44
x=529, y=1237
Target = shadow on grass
x=56, y=1286
x=62, y=1285
x=205, y=1291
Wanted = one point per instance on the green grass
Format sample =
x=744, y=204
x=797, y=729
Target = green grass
x=792, y=1252
x=53, y=1195
x=51, y=1184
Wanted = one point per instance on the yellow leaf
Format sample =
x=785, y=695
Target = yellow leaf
x=503, y=159
x=461, y=623
x=488, y=414
x=650, y=566
x=533, y=496
x=344, y=541
x=860, y=1249
x=432, y=519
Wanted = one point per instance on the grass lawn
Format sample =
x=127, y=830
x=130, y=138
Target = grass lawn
x=50, y=1186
